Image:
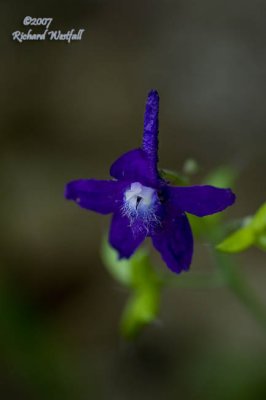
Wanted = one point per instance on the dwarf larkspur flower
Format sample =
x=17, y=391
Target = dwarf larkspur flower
x=143, y=204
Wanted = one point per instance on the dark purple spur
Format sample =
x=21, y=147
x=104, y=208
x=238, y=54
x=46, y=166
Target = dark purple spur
x=144, y=204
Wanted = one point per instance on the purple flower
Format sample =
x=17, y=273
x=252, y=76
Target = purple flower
x=143, y=204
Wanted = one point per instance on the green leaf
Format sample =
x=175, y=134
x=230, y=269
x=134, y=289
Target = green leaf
x=259, y=220
x=138, y=274
x=238, y=241
x=173, y=178
x=142, y=309
x=261, y=241
x=143, y=306
x=252, y=232
x=143, y=273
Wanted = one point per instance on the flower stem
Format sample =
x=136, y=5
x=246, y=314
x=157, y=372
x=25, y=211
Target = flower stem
x=240, y=287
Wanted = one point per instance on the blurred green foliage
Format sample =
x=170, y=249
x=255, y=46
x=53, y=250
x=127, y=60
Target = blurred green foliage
x=140, y=277
x=222, y=177
x=238, y=241
x=145, y=283
x=253, y=232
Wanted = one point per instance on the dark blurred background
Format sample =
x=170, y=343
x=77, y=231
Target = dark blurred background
x=69, y=110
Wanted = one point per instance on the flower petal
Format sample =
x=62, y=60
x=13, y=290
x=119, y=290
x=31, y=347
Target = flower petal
x=200, y=200
x=96, y=195
x=175, y=243
x=134, y=166
x=140, y=165
x=151, y=128
x=123, y=237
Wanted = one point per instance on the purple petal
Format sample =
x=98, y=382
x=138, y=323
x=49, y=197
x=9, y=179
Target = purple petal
x=124, y=238
x=140, y=165
x=134, y=166
x=100, y=196
x=200, y=200
x=151, y=127
x=175, y=243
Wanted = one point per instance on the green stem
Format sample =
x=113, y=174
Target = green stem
x=241, y=288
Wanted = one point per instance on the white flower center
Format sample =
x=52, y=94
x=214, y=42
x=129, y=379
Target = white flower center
x=141, y=205
x=139, y=197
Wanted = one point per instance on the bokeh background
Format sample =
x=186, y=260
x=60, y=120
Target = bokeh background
x=69, y=110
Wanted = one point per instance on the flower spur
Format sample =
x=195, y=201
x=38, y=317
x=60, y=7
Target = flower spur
x=144, y=204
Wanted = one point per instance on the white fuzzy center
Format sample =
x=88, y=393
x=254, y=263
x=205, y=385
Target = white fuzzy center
x=139, y=196
x=141, y=205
